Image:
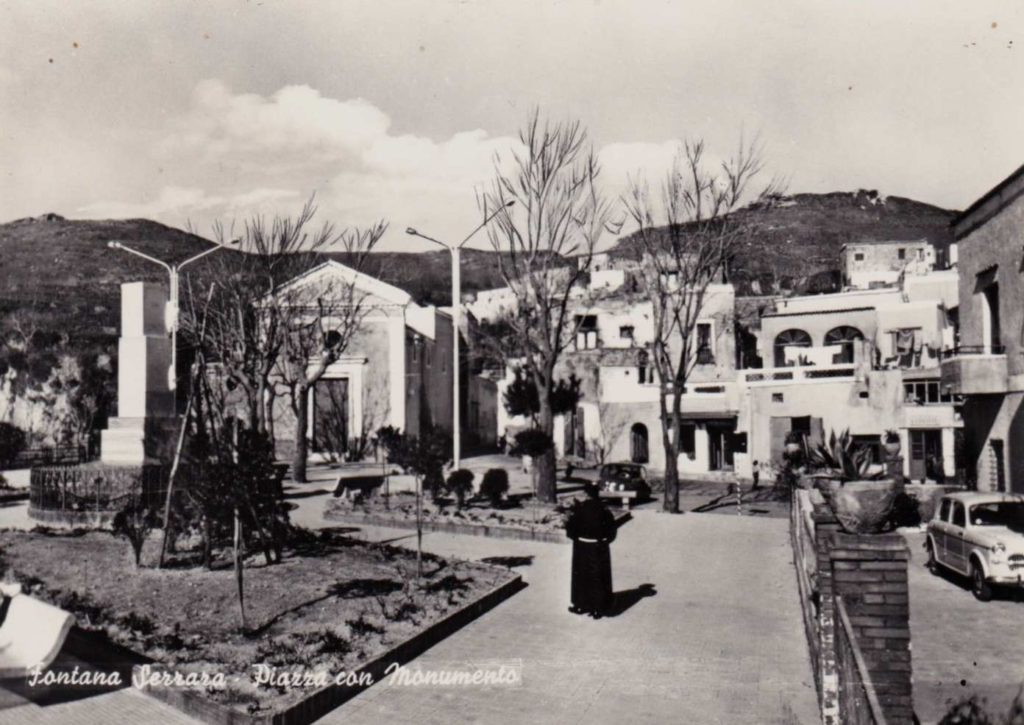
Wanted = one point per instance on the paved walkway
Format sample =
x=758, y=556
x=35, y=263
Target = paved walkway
x=720, y=641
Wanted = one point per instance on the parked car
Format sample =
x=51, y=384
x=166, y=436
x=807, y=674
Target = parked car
x=614, y=479
x=981, y=536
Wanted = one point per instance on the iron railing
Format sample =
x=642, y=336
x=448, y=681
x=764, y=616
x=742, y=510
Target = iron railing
x=858, y=701
x=967, y=350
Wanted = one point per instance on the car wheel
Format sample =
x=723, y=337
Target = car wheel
x=980, y=588
x=932, y=563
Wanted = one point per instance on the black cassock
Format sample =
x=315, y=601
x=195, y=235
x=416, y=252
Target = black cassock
x=591, y=528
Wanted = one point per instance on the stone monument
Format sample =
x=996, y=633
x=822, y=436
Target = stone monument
x=143, y=430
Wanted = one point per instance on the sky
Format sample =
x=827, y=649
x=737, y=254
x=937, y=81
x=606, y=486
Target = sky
x=190, y=112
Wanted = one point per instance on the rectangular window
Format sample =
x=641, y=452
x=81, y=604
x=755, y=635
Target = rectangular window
x=902, y=253
x=642, y=375
x=926, y=392
x=858, y=257
x=626, y=332
x=777, y=398
x=705, y=351
x=688, y=440
x=586, y=332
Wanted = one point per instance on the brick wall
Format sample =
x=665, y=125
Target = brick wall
x=870, y=574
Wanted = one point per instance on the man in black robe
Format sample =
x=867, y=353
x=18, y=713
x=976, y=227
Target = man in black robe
x=592, y=528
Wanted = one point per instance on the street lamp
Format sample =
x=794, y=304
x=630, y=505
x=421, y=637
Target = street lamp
x=456, y=314
x=171, y=311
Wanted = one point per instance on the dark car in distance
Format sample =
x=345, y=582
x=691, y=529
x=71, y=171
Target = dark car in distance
x=626, y=481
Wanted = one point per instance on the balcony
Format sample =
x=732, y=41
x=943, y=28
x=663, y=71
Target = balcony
x=799, y=374
x=975, y=370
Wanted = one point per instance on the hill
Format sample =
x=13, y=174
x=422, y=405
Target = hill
x=796, y=239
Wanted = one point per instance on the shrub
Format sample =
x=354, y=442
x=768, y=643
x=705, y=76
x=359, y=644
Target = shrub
x=135, y=522
x=460, y=482
x=494, y=485
x=532, y=442
x=12, y=442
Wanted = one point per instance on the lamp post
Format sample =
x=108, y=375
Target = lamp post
x=455, y=249
x=171, y=311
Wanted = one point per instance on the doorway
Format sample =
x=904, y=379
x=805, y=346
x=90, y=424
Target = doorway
x=720, y=450
x=330, y=432
x=925, y=453
x=638, y=452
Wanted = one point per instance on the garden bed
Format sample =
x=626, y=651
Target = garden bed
x=332, y=606
x=516, y=520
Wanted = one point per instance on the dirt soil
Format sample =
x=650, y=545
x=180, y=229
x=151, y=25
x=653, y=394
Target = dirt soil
x=330, y=605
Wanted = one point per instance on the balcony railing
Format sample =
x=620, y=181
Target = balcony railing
x=969, y=350
x=798, y=374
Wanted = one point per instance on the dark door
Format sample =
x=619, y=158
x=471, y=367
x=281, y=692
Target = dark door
x=581, y=444
x=720, y=450
x=330, y=416
x=925, y=454
x=638, y=444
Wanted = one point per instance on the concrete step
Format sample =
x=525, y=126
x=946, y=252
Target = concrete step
x=120, y=423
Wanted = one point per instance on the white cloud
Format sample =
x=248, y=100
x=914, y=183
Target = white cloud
x=171, y=200
x=237, y=154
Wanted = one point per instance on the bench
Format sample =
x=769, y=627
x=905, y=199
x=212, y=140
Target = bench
x=625, y=497
x=31, y=635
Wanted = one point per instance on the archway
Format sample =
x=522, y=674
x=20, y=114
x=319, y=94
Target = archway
x=846, y=336
x=789, y=338
x=638, y=452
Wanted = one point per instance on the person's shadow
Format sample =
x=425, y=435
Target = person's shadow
x=621, y=601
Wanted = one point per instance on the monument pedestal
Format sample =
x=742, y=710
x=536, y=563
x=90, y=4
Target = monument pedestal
x=146, y=422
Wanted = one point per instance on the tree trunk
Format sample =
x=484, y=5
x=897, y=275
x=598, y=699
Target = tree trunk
x=544, y=465
x=301, y=429
x=419, y=527
x=671, y=435
x=671, y=503
x=237, y=545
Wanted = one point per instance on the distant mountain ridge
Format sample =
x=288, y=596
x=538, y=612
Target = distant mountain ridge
x=797, y=240
x=65, y=264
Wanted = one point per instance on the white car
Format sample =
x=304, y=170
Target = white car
x=981, y=536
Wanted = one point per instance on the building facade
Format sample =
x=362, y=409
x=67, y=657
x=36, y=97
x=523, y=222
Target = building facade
x=396, y=369
x=987, y=366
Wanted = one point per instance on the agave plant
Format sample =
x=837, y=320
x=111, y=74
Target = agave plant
x=841, y=457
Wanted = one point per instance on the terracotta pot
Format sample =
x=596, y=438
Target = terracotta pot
x=892, y=448
x=862, y=507
x=792, y=448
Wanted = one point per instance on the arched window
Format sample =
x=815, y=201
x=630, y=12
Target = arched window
x=789, y=338
x=846, y=336
x=638, y=443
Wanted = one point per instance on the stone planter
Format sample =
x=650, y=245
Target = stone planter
x=861, y=507
x=892, y=448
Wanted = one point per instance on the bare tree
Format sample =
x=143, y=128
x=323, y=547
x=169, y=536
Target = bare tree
x=267, y=335
x=680, y=260
x=548, y=239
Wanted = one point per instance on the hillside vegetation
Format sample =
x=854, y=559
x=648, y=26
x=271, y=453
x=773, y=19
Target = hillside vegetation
x=60, y=303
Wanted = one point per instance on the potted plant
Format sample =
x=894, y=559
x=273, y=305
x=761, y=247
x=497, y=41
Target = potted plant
x=891, y=441
x=861, y=499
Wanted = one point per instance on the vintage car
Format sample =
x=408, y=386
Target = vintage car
x=624, y=481
x=981, y=536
